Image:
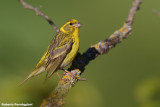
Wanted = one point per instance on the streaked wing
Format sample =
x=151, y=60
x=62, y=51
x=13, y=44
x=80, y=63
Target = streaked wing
x=58, y=49
x=56, y=62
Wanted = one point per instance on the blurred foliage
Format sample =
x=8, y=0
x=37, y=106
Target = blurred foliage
x=111, y=78
x=148, y=92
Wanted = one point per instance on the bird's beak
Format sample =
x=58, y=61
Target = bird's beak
x=77, y=25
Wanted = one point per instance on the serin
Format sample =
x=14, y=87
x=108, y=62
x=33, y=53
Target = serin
x=61, y=52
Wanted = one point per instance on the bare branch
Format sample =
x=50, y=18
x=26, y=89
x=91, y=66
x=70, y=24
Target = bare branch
x=39, y=13
x=56, y=98
x=156, y=12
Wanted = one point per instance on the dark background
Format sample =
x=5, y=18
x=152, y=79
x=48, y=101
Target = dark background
x=128, y=76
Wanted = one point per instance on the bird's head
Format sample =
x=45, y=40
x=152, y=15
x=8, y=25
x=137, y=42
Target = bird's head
x=70, y=26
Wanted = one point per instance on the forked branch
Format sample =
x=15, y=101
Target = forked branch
x=56, y=98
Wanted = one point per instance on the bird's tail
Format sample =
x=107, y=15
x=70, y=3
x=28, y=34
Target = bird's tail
x=36, y=72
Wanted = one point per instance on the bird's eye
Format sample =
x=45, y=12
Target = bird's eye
x=71, y=23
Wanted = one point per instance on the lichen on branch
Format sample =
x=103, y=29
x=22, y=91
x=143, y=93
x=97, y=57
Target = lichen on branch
x=56, y=98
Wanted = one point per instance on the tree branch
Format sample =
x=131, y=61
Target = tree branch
x=56, y=98
x=39, y=13
x=156, y=12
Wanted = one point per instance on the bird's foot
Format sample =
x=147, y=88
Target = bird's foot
x=82, y=79
x=71, y=74
x=59, y=76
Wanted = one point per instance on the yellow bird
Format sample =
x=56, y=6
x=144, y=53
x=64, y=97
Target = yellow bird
x=61, y=52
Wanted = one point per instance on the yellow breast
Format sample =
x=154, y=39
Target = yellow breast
x=72, y=54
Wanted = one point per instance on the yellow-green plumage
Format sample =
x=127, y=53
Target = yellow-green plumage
x=61, y=52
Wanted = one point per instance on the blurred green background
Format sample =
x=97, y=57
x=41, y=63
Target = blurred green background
x=128, y=76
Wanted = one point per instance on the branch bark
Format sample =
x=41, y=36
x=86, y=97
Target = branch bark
x=56, y=98
x=39, y=13
x=156, y=12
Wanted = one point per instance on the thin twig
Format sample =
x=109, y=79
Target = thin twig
x=39, y=13
x=156, y=12
x=56, y=98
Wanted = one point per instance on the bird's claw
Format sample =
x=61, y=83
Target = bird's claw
x=71, y=74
